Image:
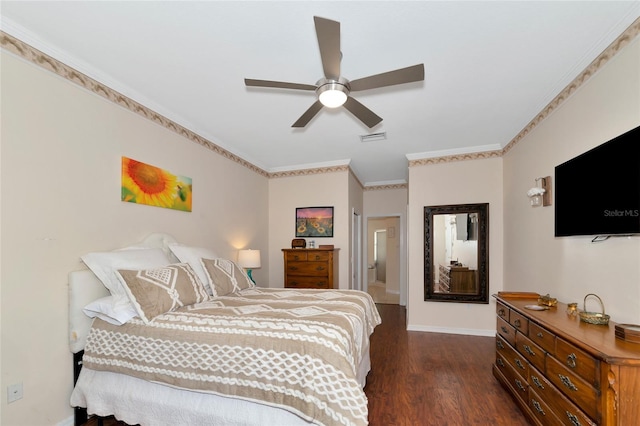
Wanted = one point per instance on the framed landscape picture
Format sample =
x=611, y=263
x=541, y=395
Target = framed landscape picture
x=314, y=222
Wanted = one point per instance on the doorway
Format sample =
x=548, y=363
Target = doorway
x=383, y=259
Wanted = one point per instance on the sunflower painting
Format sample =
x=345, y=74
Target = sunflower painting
x=153, y=186
x=314, y=222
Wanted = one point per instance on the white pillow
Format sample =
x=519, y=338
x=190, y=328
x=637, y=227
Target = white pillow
x=106, y=264
x=192, y=256
x=108, y=309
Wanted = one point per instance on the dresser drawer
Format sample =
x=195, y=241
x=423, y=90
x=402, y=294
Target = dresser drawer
x=507, y=331
x=296, y=256
x=532, y=352
x=307, y=282
x=515, y=381
x=541, y=411
x=564, y=410
x=502, y=311
x=581, y=363
x=519, y=321
x=542, y=337
x=320, y=256
x=308, y=268
x=577, y=389
x=517, y=361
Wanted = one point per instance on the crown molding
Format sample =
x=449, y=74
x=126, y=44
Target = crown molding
x=453, y=152
x=310, y=171
x=629, y=35
x=612, y=50
x=37, y=57
x=24, y=50
x=380, y=187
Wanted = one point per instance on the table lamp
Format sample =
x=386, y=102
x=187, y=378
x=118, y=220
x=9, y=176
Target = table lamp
x=249, y=259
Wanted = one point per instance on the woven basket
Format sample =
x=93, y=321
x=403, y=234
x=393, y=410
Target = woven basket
x=598, y=318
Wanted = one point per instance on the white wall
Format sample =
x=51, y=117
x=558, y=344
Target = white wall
x=60, y=176
x=468, y=182
x=571, y=267
x=312, y=190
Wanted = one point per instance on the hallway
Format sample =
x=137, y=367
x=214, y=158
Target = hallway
x=378, y=292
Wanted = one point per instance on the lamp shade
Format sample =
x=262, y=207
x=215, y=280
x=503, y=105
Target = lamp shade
x=332, y=94
x=249, y=259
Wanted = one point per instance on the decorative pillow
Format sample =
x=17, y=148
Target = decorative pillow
x=108, y=309
x=106, y=264
x=225, y=276
x=192, y=256
x=157, y=291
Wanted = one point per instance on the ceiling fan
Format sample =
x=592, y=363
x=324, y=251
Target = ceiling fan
x=334, y=90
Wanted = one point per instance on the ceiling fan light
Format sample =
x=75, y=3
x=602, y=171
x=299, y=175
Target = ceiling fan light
x=332, y=95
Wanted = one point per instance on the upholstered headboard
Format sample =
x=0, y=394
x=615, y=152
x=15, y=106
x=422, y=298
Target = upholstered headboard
x=85, y=287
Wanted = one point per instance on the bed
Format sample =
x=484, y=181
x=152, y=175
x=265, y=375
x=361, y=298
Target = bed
x=237, y=355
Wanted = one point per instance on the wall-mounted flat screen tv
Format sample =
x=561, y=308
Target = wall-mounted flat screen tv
x=598, y=192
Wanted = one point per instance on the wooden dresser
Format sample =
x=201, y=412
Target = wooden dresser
x=562, y=371
x=311, y=268
x=458, y=279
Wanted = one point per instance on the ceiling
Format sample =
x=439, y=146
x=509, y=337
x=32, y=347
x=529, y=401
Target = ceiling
x=490, y=68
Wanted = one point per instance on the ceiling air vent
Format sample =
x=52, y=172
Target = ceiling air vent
x=373, y=137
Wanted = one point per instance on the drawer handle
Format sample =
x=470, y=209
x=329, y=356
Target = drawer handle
x=499, y=344
x=573, y=419
x=537, y=382
x=320, y=268
x=500, y=362
x=317, y=257
x=571, y=360
x=519, y=364
x=501, y=312
x=567, y=382
x=540, y=335
x=538, y=407
x=293, y=268
x=519, y=384
x=296, y=257
x=517, y=322
x=504, y=329
x=528, y=350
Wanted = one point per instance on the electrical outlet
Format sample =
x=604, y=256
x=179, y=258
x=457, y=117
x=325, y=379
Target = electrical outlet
x=14, y=392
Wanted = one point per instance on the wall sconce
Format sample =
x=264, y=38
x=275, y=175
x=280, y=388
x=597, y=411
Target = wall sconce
x=540, y=195
x=249, y=259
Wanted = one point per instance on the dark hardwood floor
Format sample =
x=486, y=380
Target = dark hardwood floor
x=434, y=379
x=424, y=379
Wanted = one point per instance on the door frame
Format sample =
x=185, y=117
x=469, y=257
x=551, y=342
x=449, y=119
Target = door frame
x=404, y=262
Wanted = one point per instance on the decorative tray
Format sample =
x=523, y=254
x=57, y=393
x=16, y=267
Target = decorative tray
x=518, y=294
x=628, y=332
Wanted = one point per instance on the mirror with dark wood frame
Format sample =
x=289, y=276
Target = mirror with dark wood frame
x=456, y=253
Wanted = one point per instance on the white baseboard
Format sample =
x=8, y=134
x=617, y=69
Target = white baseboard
x=448, y=330
x=67, y=422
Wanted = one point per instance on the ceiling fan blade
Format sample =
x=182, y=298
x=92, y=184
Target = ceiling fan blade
x=361, y=112
x=329, y=42
x=278, y=84
x=399, y=76
x=308, y=115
